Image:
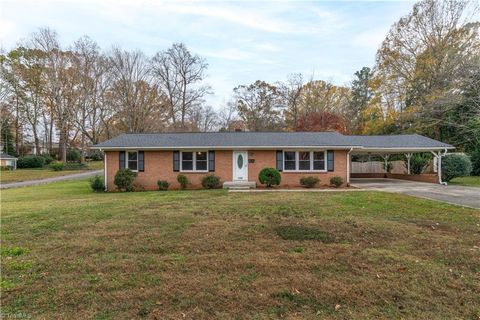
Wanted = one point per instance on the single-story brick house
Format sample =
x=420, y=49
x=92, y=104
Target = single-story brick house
x=8, y=161
x=237, y=157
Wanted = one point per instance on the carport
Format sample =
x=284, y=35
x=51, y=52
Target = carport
x=387, y=146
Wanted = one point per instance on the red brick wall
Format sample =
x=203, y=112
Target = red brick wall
x=267, y=158
x=424, y=177
x=159, y=166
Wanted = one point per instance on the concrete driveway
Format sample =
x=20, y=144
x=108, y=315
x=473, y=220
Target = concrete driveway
x=459, y=195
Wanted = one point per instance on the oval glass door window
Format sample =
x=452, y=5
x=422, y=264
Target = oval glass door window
x=240, y=161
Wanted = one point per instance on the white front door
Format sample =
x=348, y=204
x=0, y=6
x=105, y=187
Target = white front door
x=240, y=165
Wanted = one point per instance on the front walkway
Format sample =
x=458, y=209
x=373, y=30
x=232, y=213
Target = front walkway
x=75, y=176
x=459, y=195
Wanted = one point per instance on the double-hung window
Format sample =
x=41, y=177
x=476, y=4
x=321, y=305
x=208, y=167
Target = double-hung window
x=318, y=160
x=304, y=161
x=132, y=160
x=194, y=161
x=289, y=162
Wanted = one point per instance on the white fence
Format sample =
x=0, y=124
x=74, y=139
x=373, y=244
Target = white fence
x=379, y=167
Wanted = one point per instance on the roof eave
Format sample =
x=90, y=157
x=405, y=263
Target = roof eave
x=113, y=148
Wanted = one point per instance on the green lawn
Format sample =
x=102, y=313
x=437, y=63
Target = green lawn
x=42, y=173
x=69, y=253
x=472, y=181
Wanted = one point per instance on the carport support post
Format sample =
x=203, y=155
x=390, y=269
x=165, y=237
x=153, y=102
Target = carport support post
x=385, y=158
x=349, y=162
x=408, y=155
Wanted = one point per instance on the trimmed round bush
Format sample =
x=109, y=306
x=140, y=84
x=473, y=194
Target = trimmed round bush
x=211, y=182
x=97, y=184
x=30, y=161
x=455, y=165
x=57, y=166
x=269, y=177
x=309, y=182
x=73, y=155
x=475, y=159
x=336, y=181
x=162, y=185
x=124, y=179
x=183, y=180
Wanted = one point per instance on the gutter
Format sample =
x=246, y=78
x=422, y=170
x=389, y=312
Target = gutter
x=439, y=164
x=440, y=155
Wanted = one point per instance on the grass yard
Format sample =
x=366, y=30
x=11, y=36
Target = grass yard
x=471, y=181
x=42, y=173
x=68, y=253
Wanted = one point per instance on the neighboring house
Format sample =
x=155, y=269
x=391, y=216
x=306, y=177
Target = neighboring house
x=8, y=161
x=237, y=157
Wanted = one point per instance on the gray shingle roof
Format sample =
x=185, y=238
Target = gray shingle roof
x=6, y=156
x=397, y=141
x=266, y=139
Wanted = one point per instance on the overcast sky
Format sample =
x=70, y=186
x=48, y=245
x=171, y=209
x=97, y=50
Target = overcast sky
x=241, y=41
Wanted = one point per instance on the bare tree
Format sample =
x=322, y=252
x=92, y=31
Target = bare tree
x=93, y=79
x=227, y=116
x=291, y=92
x=178, y=75
x=138, y=104
x=60, y=86
x=204, y=119
x=258, y=105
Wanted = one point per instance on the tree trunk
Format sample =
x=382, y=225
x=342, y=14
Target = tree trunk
x=82, y=158
x=36, y=140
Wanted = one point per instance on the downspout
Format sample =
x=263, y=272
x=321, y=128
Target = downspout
x=348, y=166
x=104, y=169
x=439, y=165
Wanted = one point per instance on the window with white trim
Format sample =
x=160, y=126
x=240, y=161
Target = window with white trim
x=132, y=160
x=289, y=160
x=194, y=161
x=304, y=161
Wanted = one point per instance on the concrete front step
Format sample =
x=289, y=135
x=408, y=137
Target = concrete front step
x=239, y=185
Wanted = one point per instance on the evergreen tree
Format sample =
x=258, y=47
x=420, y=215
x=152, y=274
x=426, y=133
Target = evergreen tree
x=361, y=96
x=7, y=139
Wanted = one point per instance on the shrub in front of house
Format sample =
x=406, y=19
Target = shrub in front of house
x=309, y=182
x=73, y=155
x=455, y=165
x=475, y=159
x=30, y=161
x=162, y=185
x=418, y=162
x=48, y=158
x=97, y=184
x=124, y=179
x=211, y=182
x=183, y=180
x=57, y=166
x=336, y=181
x=270, y=177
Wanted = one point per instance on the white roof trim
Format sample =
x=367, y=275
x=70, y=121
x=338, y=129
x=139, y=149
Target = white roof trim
x=358, y=148
x=227, y=148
